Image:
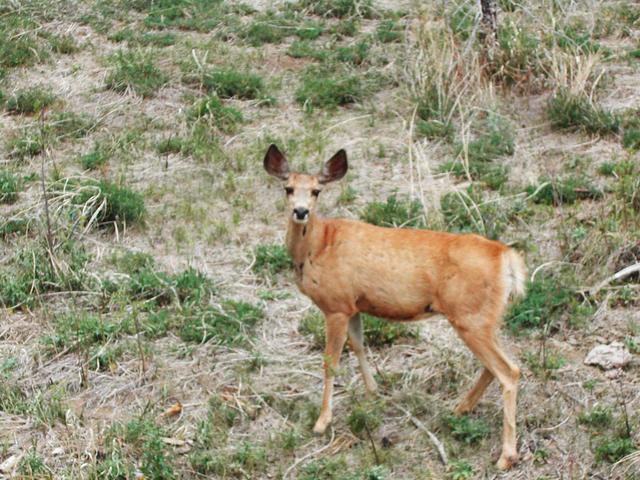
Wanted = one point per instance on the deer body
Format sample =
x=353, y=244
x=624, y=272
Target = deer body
x=347, y=267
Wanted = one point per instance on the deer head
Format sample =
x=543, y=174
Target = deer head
x=303, y=190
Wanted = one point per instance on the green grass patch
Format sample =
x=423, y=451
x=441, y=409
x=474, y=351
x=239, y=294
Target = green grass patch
x=598, y=417
x=31, y=272
x=565, y=191
x=566, y=110
x=9, y=185
x=30, y=100
x=467, y=429
x=379, y=332
x=145, y=39
x=215, y=113
x=95, y=158
x=104, y=203
x=395, y=212
x=64, y=44
x=135, y=70
x=326, y=87
x=389, y=31
x=198, y=15
x=229, y=83
x=364, y=417
x=271, y=260
x=338, y=8
x=471, y=211
x=614, y=448
x=549, y=301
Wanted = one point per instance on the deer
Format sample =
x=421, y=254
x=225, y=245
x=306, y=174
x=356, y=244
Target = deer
x=347, y=267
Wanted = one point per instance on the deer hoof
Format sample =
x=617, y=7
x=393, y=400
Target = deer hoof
x=321, y=425
x=505, y=462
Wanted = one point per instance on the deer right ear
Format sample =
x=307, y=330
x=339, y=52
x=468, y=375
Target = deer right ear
x=275, y=164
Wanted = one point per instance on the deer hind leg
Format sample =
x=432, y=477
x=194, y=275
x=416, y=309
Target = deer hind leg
x=473, y=396
x=336, y=335
x=356, y=342
x=483, y=343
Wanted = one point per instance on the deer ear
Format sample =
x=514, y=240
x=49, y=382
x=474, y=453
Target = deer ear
x=335, y=168
x=275, y=164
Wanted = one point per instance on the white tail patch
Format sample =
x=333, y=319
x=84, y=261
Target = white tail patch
x=514, y=274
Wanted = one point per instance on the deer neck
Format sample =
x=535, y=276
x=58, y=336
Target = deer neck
x=299, y=238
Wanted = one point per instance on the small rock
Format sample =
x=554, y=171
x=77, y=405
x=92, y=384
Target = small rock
x=614, y=355
x=613, y=373
x=9, y=464
x=56, y=452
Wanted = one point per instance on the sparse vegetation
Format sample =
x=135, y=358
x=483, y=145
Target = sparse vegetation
x=135, y=70
x=566, y=110
x=30, y=101
x=150, y=322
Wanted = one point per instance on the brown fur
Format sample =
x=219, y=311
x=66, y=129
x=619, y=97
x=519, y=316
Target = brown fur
x=348, y=267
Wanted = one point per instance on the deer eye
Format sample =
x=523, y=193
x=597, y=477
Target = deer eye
x=315, y=193
x=289, y=190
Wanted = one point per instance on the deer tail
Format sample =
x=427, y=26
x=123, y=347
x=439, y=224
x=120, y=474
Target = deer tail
x=514, y=273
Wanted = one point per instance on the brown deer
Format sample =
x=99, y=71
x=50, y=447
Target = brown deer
x=347, y=267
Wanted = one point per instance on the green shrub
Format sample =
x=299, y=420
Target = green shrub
x=212, y=109
x=467, y=429
x=32, y=465
x=614, y=448
x=271, y=260
x=9, y=184
x=394, y=212
x=135, y=70
x=29, y=101
x=563, y=191
x=461, y=470
x=566, y=110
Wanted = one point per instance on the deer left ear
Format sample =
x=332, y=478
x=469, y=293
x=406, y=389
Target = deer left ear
x=335, y=168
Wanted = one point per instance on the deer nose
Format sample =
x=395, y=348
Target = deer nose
x=301, y=212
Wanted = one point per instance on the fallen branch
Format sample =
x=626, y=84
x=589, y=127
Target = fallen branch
x=625, y=272
x=420, y=426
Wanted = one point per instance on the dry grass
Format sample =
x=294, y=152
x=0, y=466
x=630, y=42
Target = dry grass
x=209, y=205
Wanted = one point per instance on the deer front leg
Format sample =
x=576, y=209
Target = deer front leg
x=336, y=334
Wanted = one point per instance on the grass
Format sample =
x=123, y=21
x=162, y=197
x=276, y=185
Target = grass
x=546, y=301
x=566, y=110
x=364, y=418
x=378, y=333
x=471, y=211
x=30, y=101
x=324, y=87
x=564, y=191
x=271, y=260
x=215, y=113
x=614, y=448
x=338, y=8
x=95, y=158
x=105, y=203
x=598, y=417
x=9, y=185
x=394, y=212
x=467, y=429
x=230, y=83
x=135, y=70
